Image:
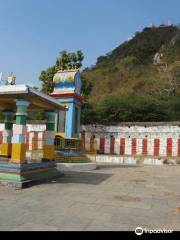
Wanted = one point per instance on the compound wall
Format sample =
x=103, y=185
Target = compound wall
x=130, y=139
x=134, y=139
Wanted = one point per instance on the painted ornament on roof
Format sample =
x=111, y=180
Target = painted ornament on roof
x=64, y=76
x=56, y=78
x=68, y=80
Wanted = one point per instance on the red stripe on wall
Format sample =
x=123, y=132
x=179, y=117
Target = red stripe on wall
x=102, y=145
x=43, y=139
x=122, y=146
x=1, y=137
x=112, y=143
x=169, y=147
x=156, y=147
x=133, y=146
x=35, y=140
x=178, y=148
x=144, y=147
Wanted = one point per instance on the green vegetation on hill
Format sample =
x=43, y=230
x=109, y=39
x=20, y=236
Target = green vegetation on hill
x=137, y=81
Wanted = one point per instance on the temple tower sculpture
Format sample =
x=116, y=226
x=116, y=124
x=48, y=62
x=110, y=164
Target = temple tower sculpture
x=67, y=90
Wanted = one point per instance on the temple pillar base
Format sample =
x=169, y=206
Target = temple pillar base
x=25, y=175
x=6, y=149
x=18, y=153
x=48, y=153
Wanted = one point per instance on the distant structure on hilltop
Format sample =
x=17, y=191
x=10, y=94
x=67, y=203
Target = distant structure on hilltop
x=152, y=25
x=168, y=24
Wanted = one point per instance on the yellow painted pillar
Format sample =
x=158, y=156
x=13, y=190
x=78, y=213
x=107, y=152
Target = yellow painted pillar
x=48, y=149
x=7, y=134
x=19, y=132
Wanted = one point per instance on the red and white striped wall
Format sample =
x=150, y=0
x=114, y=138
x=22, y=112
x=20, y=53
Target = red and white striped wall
x=137, y=147
x=35, y=140
x=35, y=136
x=157, y=141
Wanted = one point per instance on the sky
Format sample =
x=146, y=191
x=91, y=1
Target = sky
x=33, y=32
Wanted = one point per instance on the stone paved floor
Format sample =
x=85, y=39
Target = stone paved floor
x=105, y=199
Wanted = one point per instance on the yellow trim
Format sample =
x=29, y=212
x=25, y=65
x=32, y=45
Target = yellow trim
x=64, y=104
x=6, y=149
x=18, y=153
x=48, y=152
x=60, y=134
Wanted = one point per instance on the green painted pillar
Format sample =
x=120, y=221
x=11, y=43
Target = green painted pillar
x=48, y=150
x=7, y=133
x=19, y=132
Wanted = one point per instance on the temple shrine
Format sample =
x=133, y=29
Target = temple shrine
x=62, y=110
x=67, y=91
x=17, y=101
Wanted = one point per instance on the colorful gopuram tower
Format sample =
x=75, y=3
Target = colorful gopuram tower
x=67, y=90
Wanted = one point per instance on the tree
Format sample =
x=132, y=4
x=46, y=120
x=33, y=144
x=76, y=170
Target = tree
x=125, y=108
x=80, y=58
x=70, y=60
x=64, y=61
x=86, y=87
x=73, y=60
x=88, y=113
x=47, y=79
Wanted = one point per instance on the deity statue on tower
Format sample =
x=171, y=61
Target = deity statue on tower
x=11, y=79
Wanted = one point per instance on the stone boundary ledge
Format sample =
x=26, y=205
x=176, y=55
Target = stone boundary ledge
x=76, y=167
x=132, y=160
x=132, y=124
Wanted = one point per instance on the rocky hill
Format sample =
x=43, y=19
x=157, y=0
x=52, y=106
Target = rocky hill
x=141, y=75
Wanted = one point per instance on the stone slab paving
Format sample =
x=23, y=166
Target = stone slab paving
x=107, y=199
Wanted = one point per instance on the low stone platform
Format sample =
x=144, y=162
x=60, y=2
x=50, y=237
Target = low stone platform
x=136, y=160
x=76, y=167
x=73, y=155
x=24, y=175
x=69, y=152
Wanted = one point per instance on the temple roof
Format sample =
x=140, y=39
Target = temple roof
x=65, y=76
x=67, y=81
x=38, y=100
